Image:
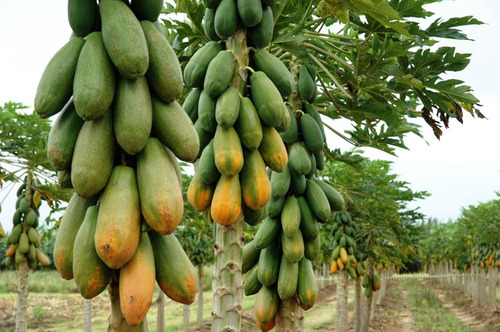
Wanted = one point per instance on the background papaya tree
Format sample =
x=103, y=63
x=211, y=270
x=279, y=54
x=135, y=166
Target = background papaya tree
x=25, y=165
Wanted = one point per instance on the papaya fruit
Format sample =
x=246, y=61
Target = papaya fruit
x=306, y=84
x=267, y=99
x=190, y=104
x=206, y=112
x=267, y=233
x=311, y=133
x=62, y=138
x=124, y=38
x=253, y=217
x=204, y=137
x=209, y=24
x=290, y=216
x=219, y=73
x=255, y=184
x=17, y=218
x=264, y=327
x=266, y=304
x=335, y=199
x=92, y=275
x=81, y=16
x=212, y=4
x=313, y=112
x=31, y=217
x=66, y=234
x=56, y=84
x=249, y=12
x=275, y=205
x=273, y=150
x=119, y=221
x=227, y=151
x=226, y=202
x=227, y=107
x=251, y=283
x=162, y=204
x=164, y=73
x=147, y=9
x=376, y=283
x=285, y=122
x=307, y=291
x=95, y=79
x=24, y=243
x=174, y=129
x=93, y=157
x=200, y=193
x=206, y=165
x=132, y=114
x=195, y=69
x=34, y=237
x=298, y=159
x=317, y=200
x=333, y=267
x=308, y=224
x=298, y=182
x=175, y=274
x=42, y=258
x=269, y=260
x=340, y=264
x=64, y=179
x=137, y=283
x=280, y=182
x=248, y=125
x=249, y=257
x=226, y=19
x=261, y=34
x=287, y=279
x=11, y=251
x=320, y=160
x=293, y=248
x=276, y=70
x=312, y=248
x=32, y=254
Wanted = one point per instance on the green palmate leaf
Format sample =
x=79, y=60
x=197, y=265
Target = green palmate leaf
x=447, y=29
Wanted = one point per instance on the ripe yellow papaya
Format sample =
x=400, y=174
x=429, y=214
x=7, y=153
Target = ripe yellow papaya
x=255, y=184
x=273, y=150
x=200, y=193
x=227, y=151
x=226, y=203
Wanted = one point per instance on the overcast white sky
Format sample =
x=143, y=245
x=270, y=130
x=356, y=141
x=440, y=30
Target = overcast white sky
x=459, y=170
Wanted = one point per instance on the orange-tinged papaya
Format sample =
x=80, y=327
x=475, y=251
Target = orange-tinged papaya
x=42, y=258
x=340, y=264
x=161, y=195
x=119, y=222
x=333, y=267
x=200, y=193
x=343, y=256
x=266, y=304
x=137, y=283
x=226, y=202
x=92, y=275
x=175, y=274
x=307, y=291
x=227, y=151
x=264, y=327
x=66, y=234
x=255, y=184
x=273, y=150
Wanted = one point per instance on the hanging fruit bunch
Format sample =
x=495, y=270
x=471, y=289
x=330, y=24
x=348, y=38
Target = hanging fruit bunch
x=116, y=142
x=24, y=239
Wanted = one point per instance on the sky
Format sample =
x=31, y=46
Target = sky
x=460, y=169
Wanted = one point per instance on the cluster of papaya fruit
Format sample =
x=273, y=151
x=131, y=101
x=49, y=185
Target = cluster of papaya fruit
x=116, y=143
x=24, y=239
x=371, y=283
x=223, y=17
x=344, y=247
x=486, y=255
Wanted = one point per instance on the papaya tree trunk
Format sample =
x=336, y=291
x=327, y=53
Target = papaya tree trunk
x=341, y=316
x=200, y=296
x=358, y=299
x=492, y=273
x=87, y=315
x=117, y=322
x=160, y=321
x=22, y=297
x=482, y=287
x=365, y=320
x=289, y=316
x=186, y=317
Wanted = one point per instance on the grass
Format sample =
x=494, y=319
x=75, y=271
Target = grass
x=39, y=282
x=428, y=312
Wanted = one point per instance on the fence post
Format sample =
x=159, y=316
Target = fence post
x=493, y=288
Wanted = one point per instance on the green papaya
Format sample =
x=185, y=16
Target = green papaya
x=66, y=234
x=291, y=134
x=15, y=234
x=164, y=73
x=276, y=70
x=206, y=112
x=174, y=128
x=335, y=199
x=317, y=200
x=249, y=256
x=250, y=12
x=95, y=79
x=132, y=114
x=92, y=275
x=209, y=24
x=298, y=159
x=266, y=304
x=195, y=69
x=308, y=224
x=307, y=291
x=228, y=152
x=313, y=112
x=124, y=38
x=287, y=279
x=34, y=237
x=312, y=248
x=190, y=104
x=147, y=9
x=253, y=217
x=162, y=204
x=251, y=283
x=293, y=247
x=290, y=216
x=93, y=157
x=275, y=205
x=206, y=167
x=31, y=217
x=311, y=133
x=269, y=261
x=306, y=84
x=62, y=138
x=248, y=125
x=175, y=274
x=205, y=137
x=267, y=99
x=267, y=233
x=226, y=19
x=24, y=243
x=219, y=73
x=81, y=16
x=227, y=107
x=119, y=221
x=56, y=84
x=298, y=183
x=280, y=182
x=261, y=34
